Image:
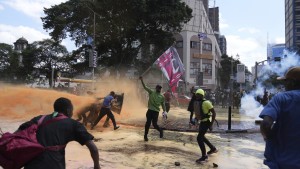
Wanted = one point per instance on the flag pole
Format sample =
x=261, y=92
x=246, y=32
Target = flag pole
x=146, y=71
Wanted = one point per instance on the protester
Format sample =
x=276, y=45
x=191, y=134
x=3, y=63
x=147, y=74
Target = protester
x=191, y=105
x=92, y=108
x=167, y=96
x=281, y=124
x=60, y=133
x=156, y=99
x=204, y=110
x=106, y=110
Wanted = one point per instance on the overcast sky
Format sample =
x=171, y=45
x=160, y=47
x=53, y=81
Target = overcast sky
x=247, y=25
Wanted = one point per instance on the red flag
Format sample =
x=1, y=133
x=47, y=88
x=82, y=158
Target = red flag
x=171, y=66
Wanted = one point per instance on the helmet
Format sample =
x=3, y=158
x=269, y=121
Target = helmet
x=200, y=91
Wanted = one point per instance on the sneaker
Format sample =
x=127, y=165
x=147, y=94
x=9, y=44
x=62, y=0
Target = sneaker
x=115, y=128
x=161, y=133
x=212, y=151
x=145, y=138
x=202, y=159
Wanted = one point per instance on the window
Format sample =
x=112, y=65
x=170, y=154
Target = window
x=207, y=69
x=194, y=68
x=207, y=46
x=195, y=44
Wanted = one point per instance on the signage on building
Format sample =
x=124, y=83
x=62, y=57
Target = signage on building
x=240, y=75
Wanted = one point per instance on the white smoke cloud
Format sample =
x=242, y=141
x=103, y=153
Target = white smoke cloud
x=249, y=105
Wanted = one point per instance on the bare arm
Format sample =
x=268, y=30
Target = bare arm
x=213, y=118
x=94, y=153
x=266, y=127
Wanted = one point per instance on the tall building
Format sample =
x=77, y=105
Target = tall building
x=213, y=16
x=292, y=24
x=201, y=56
x=223, y=44
x=275, y=51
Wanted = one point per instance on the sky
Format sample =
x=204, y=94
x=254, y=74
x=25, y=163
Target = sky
x=247, y=25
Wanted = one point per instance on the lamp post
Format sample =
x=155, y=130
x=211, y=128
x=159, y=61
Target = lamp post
x=256, y=65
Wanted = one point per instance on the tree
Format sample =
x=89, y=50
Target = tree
x=5, y=53
x=122, y=28
x=46, y=56
x=228, y=66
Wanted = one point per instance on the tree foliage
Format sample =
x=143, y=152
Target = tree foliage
x=228, y=66
x=122, y=28
x=5, y=53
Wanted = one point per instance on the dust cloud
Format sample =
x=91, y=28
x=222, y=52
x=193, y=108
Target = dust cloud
x=20, y=102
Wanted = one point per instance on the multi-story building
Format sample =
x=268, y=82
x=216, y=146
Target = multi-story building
x=223, y=44
x=292, y=24
x=275, y=52
x=213, y=16
x=201, y=56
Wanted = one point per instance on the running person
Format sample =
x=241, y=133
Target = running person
x=106, y=110
x=203, y=111
x=156, y=99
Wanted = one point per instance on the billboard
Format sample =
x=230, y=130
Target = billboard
x=240, y=75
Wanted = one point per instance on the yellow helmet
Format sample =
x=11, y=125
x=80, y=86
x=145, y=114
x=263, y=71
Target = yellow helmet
x=200, y=91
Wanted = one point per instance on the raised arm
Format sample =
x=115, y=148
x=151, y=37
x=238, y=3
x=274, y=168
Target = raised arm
x=94, y=153
x=145, y=87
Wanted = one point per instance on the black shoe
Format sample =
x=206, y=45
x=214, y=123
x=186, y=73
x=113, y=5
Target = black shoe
x=145, y=138
x=161, y=133
x=202, y=159
x=212, y=151
x=115, y=128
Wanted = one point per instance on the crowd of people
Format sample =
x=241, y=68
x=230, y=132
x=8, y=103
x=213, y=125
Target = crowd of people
x=279, y=126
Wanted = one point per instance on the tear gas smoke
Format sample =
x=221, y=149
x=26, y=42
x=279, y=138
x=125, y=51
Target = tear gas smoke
x=249, y=105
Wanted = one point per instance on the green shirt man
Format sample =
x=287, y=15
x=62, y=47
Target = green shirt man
x=156, y=99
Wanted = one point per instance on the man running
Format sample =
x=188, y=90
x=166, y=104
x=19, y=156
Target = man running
x=106, y=110
x=156, y=99
x=203, y=111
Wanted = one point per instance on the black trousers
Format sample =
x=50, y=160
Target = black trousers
x=105, y=111
x=201, y=139
x=167, y=107
x=152, y=116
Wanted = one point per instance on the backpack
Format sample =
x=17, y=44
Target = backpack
x=201, y=112
x=16, y=149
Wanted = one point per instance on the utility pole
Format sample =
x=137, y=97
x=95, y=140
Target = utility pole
x=93, y=49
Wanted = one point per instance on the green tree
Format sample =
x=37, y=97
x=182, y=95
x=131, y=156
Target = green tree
x=5, y=54
x=228, y=66
x=49, y=55
x=122, y=27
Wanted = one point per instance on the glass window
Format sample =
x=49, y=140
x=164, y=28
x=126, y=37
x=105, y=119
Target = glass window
x=194, y=68
x=207, y=69
x=195, y=44
x=207, y=46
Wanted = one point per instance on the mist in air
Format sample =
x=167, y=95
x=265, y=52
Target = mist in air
x=249, y=105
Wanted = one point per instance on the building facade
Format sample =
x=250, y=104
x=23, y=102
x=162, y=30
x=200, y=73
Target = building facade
x=223, y=44
x=201, y=56
x=292, y=24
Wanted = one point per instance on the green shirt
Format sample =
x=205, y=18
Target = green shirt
x=155, y=99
